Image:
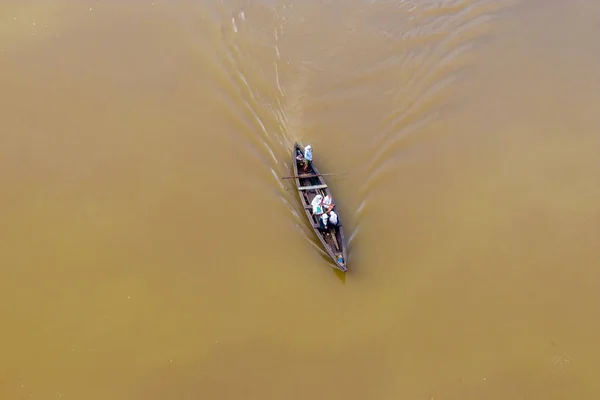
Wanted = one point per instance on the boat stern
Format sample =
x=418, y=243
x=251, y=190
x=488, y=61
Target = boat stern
x=340, y=263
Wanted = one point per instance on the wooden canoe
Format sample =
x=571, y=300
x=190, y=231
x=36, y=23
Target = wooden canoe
x=333, y=241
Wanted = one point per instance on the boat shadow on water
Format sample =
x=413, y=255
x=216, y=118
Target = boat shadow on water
x=341, y=275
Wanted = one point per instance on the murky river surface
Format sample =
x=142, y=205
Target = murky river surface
x=150, y=250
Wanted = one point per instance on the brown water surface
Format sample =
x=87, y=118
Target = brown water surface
x=150, y=250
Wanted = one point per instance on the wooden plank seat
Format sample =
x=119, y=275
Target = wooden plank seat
x=314, y=187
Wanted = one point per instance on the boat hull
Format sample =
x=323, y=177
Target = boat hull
x=333, y=240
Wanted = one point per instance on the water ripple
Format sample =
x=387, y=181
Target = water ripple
x=439, y=42
x=280, y=65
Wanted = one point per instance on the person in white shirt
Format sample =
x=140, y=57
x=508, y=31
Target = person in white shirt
x=328, y=203
x=317, y=207
x=308, y=153
x=333, y=218
x=323, y=219
x=304, y=159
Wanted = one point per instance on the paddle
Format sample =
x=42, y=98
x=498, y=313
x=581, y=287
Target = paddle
x=311, y=175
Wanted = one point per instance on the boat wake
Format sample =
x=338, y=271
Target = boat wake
x=432, y=48
x=390, y=63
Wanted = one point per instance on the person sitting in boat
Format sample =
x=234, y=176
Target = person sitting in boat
x=302, y=163
x=317, y=207
x=328, y=204
x=308, y=152
x=333, y=218
x=308, y=156
x=323, y=225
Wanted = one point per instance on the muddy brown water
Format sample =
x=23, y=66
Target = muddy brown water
x=150, y=250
